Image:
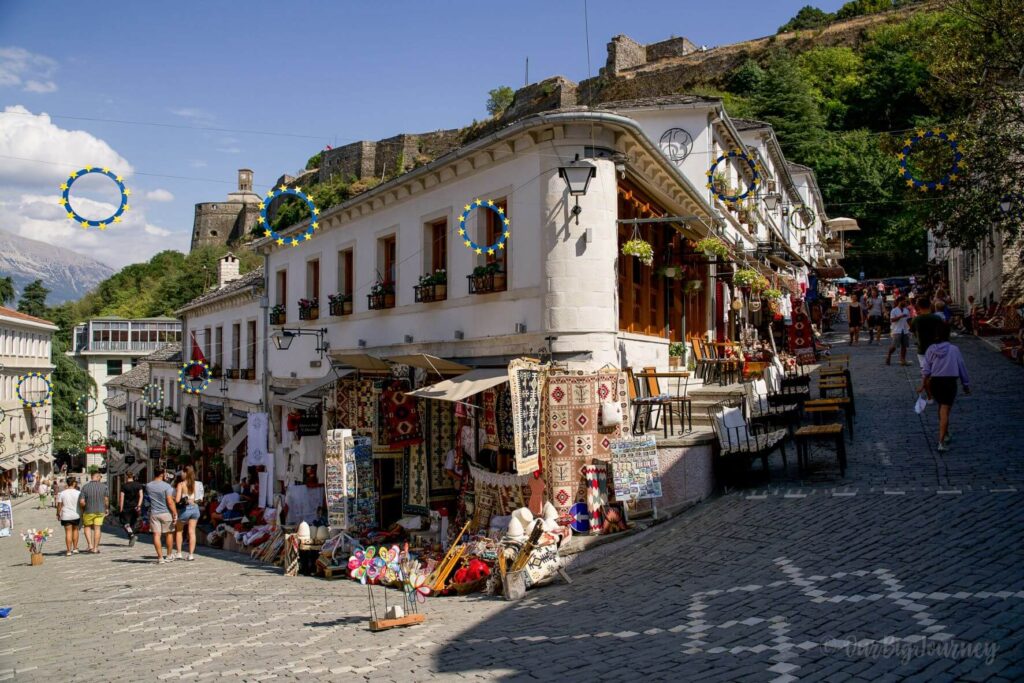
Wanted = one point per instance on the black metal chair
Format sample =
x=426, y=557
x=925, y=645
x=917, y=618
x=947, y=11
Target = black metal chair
x=742, y=441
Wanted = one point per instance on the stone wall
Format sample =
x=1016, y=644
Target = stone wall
x=673, y=47
x=356, y=160
x=215, y=222
x=623, y=53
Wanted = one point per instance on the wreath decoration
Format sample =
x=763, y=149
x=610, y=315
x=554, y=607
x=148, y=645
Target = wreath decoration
x=751, y=187
x=186, y=369
x=469, y=243
x=148, y=395
x=85, y=404
x=85, y=222
x=33, y=404
x=909, y=146
x=314, y=214
x=802, y=211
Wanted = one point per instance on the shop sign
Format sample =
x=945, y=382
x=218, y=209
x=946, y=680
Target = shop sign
x=309, y=423
x=129, y=460
x=96, y=449
x=213, y=417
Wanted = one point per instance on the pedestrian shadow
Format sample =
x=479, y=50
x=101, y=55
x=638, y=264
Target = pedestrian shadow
x=340, y=621
x=128, y=560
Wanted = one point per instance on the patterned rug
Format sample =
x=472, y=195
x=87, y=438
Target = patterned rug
x=489, y=421
x=401, y=415
x=346, y=400
x=525, y=382
x=415, y=489
x=363, y=513
x=572, y=435
x=506, y=425
x=440, y=440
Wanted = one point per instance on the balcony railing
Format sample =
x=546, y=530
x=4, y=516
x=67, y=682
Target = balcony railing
x=125, y=346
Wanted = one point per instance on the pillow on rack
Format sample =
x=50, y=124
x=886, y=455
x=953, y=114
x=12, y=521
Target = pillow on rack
x=732, y=428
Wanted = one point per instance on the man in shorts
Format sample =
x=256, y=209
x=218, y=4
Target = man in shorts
x=875, y=303
x=130, y=505
x=900, y=319
x=95, y=504
x=163, y=514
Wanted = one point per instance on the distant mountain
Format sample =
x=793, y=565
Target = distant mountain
x=66, y=273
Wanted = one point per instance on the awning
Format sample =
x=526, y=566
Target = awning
x=309, y=395
x=430, y=363
x=8, y=464
x=842, y=225
x=462, y=387
x=136, y=468
x=239, y=435
x=235, y=420
x=830, y=272
x=27, y=458
x=361, y=361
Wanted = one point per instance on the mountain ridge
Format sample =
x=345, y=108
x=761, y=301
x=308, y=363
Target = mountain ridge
x=66, y=273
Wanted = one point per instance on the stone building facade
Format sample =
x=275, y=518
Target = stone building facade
x=227, y=221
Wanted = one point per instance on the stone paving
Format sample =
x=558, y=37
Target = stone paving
x=911, y=567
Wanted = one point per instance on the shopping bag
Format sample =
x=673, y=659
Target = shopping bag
x=920, y=404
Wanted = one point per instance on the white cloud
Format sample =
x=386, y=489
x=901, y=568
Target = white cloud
x=38, y=154
x=30, y=71
x=197, y=163
x=40, y=217
x=159, y=195
x=193, y=114
x=229, y=150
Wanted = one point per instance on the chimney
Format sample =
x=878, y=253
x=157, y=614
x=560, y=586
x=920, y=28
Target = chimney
x=227, y=270
x=244, y=180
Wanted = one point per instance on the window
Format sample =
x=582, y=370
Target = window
x=387, y=254
x=437, y=247
x=113, y=368
x=236, y=346
x=218, y=347
x=208, y=343
x=251, y=350
x=345, y=274
x=313, y=279
x=282, y=287
x=494, y=227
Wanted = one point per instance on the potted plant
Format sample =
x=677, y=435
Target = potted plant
x=382, y=295
x=674, y=272
x=277, y=314
x=772, y=293
x=432, y=286
x=497, y=275
x=750, y=279
x=640, y=249
x=712, y=246
x=340, y=304
x=309, y=309
x=216, y=371
x=693, y=286
x=249, y=374
x=232, y=373
x=440, y=282
x=676, y=351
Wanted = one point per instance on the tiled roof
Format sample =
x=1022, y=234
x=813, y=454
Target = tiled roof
x=136, y=378
x=749, y=124
x=11, y=313
x=655, y=101
x=799, y=167
x=168, y=354
x=117, y=401
x=251, y=279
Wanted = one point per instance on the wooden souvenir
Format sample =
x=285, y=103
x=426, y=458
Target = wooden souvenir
x=536, y=504
x=407, y=620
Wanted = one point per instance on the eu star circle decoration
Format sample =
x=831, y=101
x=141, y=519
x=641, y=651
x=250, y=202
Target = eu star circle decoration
x=186, y=371
x=85, y=404
x=86, y=223
x=505, y=233
x=755, y=174
x=153, y=395
x=806, y=215
x=909, y=147
x=39, y=402
x=314, y=216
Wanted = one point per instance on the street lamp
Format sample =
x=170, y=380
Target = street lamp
x=577, y=176
x=1006, y=204
x=771, y=201
x=284, y=337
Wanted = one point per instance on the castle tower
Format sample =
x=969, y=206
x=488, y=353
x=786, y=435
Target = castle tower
x=228, y=221
x=244, y=180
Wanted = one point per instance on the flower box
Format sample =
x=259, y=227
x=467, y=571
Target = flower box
x=381, y=296
x=277, y=318
x=249, y=374
x=429, y=293
x=232, y=373
x=486, y=279
x=341, y=306
x=309, y=313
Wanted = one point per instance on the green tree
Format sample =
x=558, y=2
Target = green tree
x=33, y=299
x=499, y=99
x=835, y=73
x=314, y=161
x=786, y=100
x=808, y=17
x=7, y=293
x=746, y=78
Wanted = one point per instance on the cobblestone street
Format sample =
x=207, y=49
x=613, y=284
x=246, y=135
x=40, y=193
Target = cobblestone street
x=910, y=567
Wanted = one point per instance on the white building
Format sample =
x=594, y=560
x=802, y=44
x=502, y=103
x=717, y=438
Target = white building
x=26, y=431
x=109, y=346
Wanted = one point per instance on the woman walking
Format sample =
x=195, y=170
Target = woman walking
x=189, y=494
x=943, y=364
x=68, y=515
x=856, y=315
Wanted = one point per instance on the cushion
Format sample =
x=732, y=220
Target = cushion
x=758, y=394
x=774, y=377
x=758, y=442
x=732, y=428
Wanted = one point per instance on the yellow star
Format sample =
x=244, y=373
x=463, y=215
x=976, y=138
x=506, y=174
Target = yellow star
x=479, y=250
x=269, y=195
x=935, y=131
x=280, y=241
x=479, y=203
x=106, y=170
x=268, y=233
x=119, y=179
x=102, y=226
x=71, y=215
x=467, y=243
x=117, y=219
x=501, y=211
x=920, y=133
x=490, y=251
x=282, y=188
x=126, y=207
x=953, y=177
x=127, y=191
x=910, y=183
x=490, y=203
x=940, y=186
x=74, y=174
x=901, y=156
x=507, y=222
x=88, y=168
x=316, y=225
x=85, y=225
x=316, y=212
x=63, y=186
x=307, y=236
x=501, y=246
x=262, y=206
x=907, y=143
x=260, y=220
x=462, y=233
x=467, y=207
x=924, y=188
x=708, y=186
x=63, y=202
x=951, y=136
x=507, y=234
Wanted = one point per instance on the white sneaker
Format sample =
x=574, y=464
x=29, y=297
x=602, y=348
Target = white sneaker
x=169, y=558
x=942, y=447
x=191, y=557
x=161, y=561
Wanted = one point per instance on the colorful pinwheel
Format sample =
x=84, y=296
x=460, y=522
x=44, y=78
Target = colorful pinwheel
x=416, y=587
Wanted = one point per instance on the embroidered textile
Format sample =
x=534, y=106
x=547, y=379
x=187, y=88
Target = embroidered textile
x=572, y=435
x=440, y=440
x=489, y=421
x=525, y=383
x=415, y=489
x=506, y=425
x=363, y=513
x=401, y=415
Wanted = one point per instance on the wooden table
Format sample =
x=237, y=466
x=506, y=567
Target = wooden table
x=805, y=435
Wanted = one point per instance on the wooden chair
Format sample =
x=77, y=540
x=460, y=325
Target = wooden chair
x=699, y=358
x=683, y=405
x=739, y=440
x=644, y=405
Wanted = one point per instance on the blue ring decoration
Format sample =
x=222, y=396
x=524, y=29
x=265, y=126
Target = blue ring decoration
x=314, y=214
x=151, y=403
x=81, y=220
x=752, y=187
x=908, y=150
x=505, y=234
x=33, y=404
x=183, y=382
x=82, y=404
x=803, y=209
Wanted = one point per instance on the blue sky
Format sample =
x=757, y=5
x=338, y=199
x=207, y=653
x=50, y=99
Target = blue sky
x=334, y=71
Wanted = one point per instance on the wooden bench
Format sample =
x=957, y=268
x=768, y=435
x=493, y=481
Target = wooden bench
x=805, y=436
x=845, y=404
